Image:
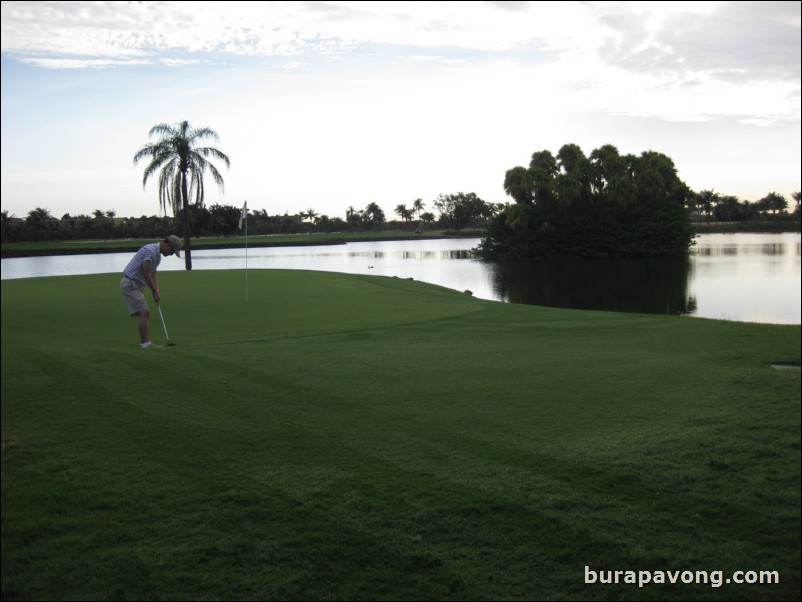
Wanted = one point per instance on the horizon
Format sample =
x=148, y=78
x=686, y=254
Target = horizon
x=390, y=215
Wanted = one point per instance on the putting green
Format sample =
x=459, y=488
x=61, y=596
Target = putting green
x=209, y=307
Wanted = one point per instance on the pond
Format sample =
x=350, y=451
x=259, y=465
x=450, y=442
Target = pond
x=743, y=277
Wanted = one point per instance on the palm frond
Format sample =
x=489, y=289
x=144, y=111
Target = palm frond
x=181, y=164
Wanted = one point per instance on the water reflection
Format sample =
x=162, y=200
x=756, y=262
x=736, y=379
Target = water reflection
x=712, y=245
x=641, y=286
x=732, y=250
x=419, y=255
x=772, y=249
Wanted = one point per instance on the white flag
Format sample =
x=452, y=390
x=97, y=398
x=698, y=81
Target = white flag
x=243, y=215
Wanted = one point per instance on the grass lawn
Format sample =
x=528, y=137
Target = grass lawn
x=354, y=437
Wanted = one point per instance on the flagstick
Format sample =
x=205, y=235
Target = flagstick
x=246, y=252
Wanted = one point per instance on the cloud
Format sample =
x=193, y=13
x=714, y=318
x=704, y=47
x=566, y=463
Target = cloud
x=63, y=63
x=124, y=29
x=511, y=5
x=735, y=41
x=448, y=94
x=731, y=41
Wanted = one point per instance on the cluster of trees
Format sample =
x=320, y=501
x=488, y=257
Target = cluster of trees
x=728, y=208
x=458, y=211
x=604, y=205
x=40, y=226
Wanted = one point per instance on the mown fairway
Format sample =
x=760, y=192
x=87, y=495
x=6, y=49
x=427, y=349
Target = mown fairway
x=349, y=437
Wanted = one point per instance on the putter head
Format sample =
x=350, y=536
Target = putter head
x=170, y=344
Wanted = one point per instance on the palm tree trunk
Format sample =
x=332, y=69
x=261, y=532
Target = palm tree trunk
x=187, y=226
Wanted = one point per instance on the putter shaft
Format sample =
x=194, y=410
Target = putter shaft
x=164, y=326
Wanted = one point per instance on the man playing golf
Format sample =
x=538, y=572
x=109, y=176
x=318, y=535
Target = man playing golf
x=141, y=272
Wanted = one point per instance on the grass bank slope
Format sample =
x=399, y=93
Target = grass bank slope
x=351, y=437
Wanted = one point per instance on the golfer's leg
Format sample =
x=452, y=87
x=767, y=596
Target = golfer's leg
x=144, y=326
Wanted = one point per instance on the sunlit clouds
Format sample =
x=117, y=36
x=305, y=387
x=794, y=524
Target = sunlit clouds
x=335, y=104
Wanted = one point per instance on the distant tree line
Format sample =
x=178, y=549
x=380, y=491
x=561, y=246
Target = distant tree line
x=455, y=211
x=709, y=205
x=568, y=205
x=607, y=205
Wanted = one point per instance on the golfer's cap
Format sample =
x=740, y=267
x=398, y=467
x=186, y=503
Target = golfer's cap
x=175, y=242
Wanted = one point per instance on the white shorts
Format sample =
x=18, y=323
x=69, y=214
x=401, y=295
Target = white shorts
x=133, y=296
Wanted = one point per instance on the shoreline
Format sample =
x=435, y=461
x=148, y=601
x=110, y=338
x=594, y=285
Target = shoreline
x=283, y=240
x=78, y=247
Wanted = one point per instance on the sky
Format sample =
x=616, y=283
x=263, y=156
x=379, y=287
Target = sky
x=331, y=105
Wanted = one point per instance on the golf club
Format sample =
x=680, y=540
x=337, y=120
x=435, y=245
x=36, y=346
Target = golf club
x=161, y=315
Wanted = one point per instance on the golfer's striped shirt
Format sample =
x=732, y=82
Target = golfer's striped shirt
x=147, y=253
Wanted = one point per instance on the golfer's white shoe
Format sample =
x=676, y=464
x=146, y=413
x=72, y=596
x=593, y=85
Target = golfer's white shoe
x=147, y=345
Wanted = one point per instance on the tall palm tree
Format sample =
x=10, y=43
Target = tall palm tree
x=707, y=200
x=261, y=219
x=402, y=212
x=574, y=181
x=542, y=168
x=40, y=223
x=773, y=202
x=374, y=214
x=353, y=217
x=111, y=214
x=99, y=224
x=6, y=224
x=518, y=183
x=182, y=165
x=606, y=163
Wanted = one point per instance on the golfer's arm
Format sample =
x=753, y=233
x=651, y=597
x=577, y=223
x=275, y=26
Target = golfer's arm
x=151, y=279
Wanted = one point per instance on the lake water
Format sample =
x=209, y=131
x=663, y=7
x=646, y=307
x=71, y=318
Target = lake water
x=742, y=277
